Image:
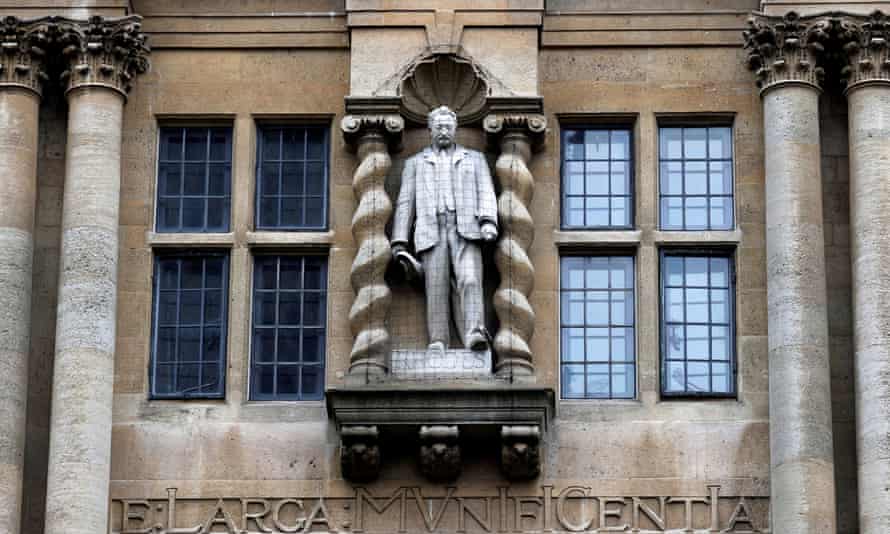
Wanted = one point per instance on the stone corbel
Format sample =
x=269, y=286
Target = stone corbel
x=516, y=135
x=103, y=52
x=372, y=137
x=359, y=453
x=440, y=452
x=23, y=48
x=520, y=452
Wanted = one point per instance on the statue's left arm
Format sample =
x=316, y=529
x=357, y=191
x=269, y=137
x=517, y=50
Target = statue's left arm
x=487, y=203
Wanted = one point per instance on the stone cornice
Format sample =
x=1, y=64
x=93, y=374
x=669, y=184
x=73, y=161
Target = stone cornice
x=786, y=49
x=387, y=127
x=103, y=52
x=23, y=55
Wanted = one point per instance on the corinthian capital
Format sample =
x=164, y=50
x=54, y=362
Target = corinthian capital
x=103, y=52
x=24, y=44
x=787, y=49
x=865, y=44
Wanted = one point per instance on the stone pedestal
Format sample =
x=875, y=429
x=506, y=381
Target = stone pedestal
x=448, y=365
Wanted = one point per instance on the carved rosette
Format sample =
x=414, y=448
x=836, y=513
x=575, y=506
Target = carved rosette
x=103, y=52
x=865, y=44
x=520, y=452
x=517, y=135
x=440, y=452
x=370, y=136
x=359, y=453
x=24, y=46
x=786, y=49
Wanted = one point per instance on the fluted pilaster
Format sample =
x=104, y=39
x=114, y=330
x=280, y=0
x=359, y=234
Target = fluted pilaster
x=516, y=136
x=371, y=136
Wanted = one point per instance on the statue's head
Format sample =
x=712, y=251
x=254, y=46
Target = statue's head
x=442, y=123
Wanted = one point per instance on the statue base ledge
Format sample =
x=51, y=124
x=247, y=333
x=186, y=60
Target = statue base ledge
x=489, y=402
x=451, y=364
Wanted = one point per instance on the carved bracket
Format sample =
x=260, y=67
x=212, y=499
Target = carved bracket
x=520, y=452
x=359, y=453
x=440, y=452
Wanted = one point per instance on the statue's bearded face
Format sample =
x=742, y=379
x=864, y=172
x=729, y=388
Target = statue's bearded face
x=442, y=131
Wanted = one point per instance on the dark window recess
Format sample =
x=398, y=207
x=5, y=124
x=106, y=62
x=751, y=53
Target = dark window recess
x=697, y=324
x=597, y=184
x=189, y=326
x=597, y=351
x=695, y=176
x=194, y=179
x=289, y=311
x=292, y=178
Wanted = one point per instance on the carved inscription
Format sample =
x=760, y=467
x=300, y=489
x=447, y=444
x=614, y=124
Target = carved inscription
x=446, y=510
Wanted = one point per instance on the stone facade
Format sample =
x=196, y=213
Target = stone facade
x=799, y=446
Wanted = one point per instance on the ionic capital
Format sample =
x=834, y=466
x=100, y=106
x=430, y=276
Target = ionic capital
x=103, y=52
x=23, y=48
x=867, y=50
x=532, y=125
x=387, y=128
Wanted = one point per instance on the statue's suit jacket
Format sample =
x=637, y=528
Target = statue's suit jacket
x=474, y=198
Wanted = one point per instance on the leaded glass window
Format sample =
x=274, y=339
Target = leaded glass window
x=598, y=349
x=289, y=317
x=698, y=324
x=292, y=178
x=189, y=326
x=194, y=179
x=597, y=188
x=696, y=178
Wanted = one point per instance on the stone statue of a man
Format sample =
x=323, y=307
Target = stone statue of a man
x=447, y=197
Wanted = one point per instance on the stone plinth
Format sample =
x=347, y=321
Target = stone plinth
x=447, y=365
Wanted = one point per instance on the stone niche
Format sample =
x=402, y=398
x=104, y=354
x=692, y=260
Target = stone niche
x=397, y=391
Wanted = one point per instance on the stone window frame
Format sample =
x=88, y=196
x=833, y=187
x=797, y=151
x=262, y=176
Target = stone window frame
x=633, y=363
x=250, y=393
x=307, y=125
x=630, y=169
x=719, y=251
x=180, y=254
x=185, y=125
x=695, y=121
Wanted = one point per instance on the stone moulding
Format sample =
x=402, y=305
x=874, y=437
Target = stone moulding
x=515, y=135
x=371, y=136
x=835, y=46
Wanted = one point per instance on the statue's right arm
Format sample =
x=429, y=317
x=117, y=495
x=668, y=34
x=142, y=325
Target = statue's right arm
x=404, y=216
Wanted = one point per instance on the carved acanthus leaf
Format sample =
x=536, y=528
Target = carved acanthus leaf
x=786, y=49
x=22, y=58
x=865, y=43
x=103, y=52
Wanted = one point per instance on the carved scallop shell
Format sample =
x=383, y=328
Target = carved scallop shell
x=444, y=80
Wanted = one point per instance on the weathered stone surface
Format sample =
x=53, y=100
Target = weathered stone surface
x=448, y=365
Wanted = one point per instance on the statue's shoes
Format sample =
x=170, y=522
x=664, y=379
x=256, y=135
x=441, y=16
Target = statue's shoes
x=436, y=347
x=477, y=340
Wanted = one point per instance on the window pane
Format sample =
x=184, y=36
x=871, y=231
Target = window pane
x=220, y=144
x=596, y=179
x=292, y=182
x=196, y=144
x=696, y=178
x=271, y=144
x=171, y=144
x=294, y=143
x=315, y=178
x=316, y=144
x=296, y=336
x=700, y=337
x=190, y=307
x=166, y=345
x=167, y=308
x=218, y=180
x=593, y=300
x=169, y=179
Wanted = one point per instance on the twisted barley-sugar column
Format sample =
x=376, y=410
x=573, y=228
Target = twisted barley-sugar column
x=802, y=487
x=868, y=96
x=21, y=76
x=511, y=299
x=371, y=136
x=104, y=55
